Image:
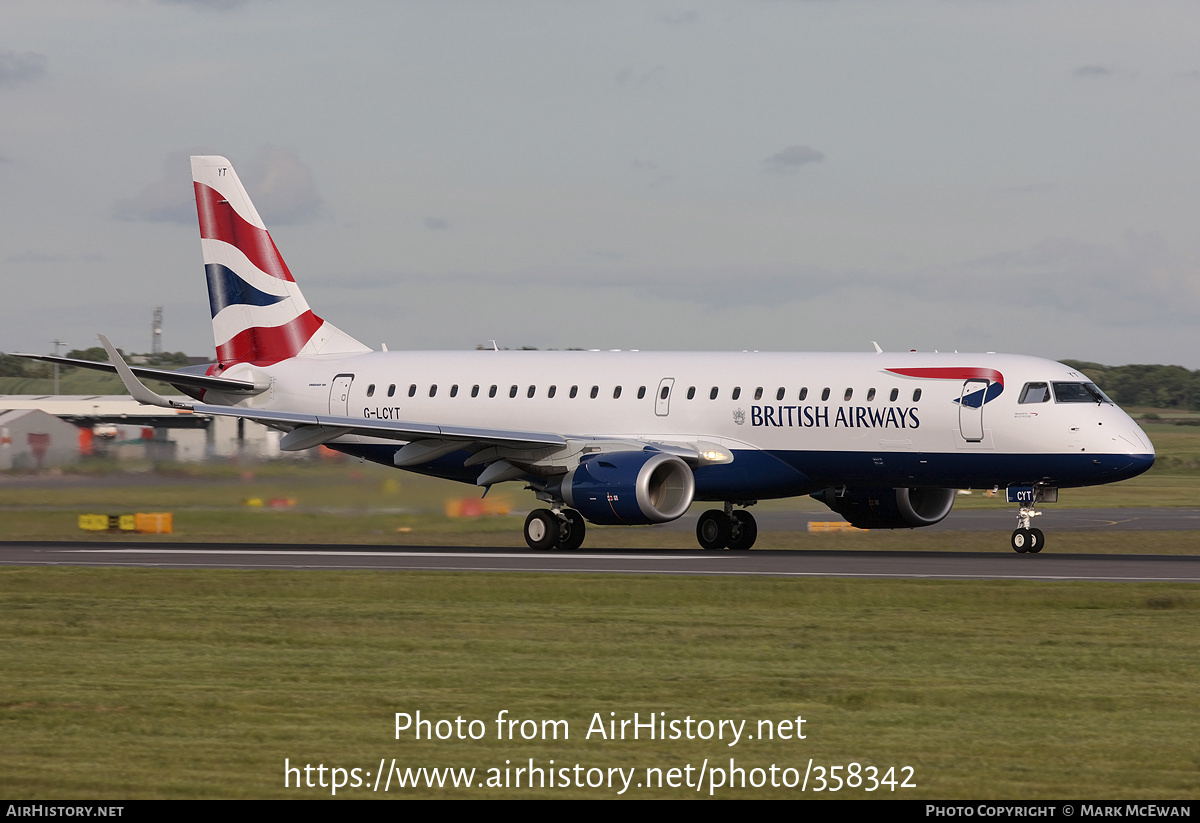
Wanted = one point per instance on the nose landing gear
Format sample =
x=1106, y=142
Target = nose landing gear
x=1026, y=539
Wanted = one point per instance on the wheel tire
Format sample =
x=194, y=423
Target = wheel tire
x=571, y=531
x=1020, y=541
x=746, y=529
x=1037, y=541
x=714, y=529
x=541, y=529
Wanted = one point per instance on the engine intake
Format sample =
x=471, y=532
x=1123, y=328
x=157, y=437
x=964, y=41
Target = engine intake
x=889, y=508
x=630, y=488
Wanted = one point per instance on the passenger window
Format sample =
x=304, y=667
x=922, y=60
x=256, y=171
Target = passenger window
x=849, y=394
x=550, y=392
x=531, y=392
x=412, y=390
x=492, y=391
x=433, y=390
x=779, y=394
x=616, y=392
x=895, y=393
x=666, y=391
x=574, y=391
x=512, y=392
x=825, y=393
x=1034, y=393
x=641, y=392
x=758, y=393
x=392, y=390
x=803, y=393
x=371, y=390
x=475, y=390
x=595, y=392
x=454, y=390
x=712, y=395
x=870, y=395
x=691, y=392
x=916, y=395
x=737, y=392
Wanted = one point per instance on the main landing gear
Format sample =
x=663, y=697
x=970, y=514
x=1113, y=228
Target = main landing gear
x=728, y=529
x=559, y=529
x=1026, y=539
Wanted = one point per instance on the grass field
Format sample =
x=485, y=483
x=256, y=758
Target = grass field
x=153, y=683
x=122, y=683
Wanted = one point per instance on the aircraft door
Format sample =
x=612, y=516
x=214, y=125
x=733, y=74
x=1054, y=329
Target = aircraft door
x=339, y=395
x=970, y=410
x=662, y=400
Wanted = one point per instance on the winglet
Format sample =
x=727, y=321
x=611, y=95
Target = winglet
x=134, y=386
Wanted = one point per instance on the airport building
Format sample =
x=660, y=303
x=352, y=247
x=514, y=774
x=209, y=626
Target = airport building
x=39, y=431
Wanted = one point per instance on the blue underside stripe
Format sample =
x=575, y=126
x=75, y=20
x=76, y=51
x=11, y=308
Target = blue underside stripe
x=758, y=475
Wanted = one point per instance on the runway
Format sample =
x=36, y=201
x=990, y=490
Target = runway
x=992, y=565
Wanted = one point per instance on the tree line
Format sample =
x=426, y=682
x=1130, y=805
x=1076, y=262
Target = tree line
x=1159, y=387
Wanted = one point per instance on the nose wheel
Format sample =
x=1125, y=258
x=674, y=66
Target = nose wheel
x=1027, y=539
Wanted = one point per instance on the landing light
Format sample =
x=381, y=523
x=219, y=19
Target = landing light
x=715, y=456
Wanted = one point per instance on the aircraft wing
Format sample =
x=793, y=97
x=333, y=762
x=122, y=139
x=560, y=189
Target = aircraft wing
x=179, y=379
x=314, y=429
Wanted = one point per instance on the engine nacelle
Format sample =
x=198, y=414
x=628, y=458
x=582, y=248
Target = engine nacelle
x=889, y=508
x=630, y=488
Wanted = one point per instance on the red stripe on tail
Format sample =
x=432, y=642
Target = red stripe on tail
x=264, y=345
x=219, y=221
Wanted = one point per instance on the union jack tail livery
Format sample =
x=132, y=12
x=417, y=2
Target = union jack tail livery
x=258, y=312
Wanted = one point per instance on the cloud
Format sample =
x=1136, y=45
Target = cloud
x=280, y=185
x=681, y=19
x=169, y=199
x=16, y=69
x=792, y=158
x=1093, y=71
x=437, y=223
x=628, y=78
x=206, y=5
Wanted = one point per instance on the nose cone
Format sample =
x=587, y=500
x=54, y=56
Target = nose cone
x=1132, y=453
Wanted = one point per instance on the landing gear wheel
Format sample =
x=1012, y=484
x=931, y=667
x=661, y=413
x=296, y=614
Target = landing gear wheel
x=745, y=531
x=541, y=529
x=571, y=530
x=1021, y=540
x=714, y=529
x=1036, y=541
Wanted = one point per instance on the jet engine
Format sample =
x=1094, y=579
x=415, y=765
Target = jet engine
x=889, y=508
x=630, y=488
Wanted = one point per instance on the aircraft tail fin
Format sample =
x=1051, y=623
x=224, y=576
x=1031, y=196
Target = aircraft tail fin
x=259, y=314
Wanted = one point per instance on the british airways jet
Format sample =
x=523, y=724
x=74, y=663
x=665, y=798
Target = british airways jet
x=883, y=439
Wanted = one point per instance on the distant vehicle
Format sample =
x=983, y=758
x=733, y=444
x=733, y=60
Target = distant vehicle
x=884, y=439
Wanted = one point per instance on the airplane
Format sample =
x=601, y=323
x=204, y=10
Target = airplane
x=627, y=437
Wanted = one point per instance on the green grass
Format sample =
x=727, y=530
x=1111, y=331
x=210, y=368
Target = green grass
x=153, y=683
x=351, y=502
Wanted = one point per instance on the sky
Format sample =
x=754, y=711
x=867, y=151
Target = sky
x=788, y=175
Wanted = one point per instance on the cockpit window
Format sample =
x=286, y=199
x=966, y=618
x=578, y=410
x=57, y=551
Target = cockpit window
x=1035, y=393
x=1079, y=393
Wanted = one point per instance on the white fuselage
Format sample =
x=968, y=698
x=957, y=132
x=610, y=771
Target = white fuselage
x=830, y=419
